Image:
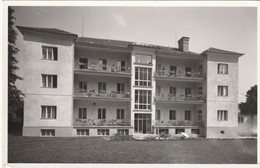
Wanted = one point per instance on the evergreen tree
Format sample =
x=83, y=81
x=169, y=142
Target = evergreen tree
x=15, y=96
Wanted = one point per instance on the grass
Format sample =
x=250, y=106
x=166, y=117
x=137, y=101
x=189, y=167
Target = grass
x=98, y=150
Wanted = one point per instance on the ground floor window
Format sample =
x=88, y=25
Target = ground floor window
x=47, y=132
x=103, y=131
x=123, y=131
x=82, y=131
x=240, y=119
x=178, y=131
x=195, y=131
x=162, y=131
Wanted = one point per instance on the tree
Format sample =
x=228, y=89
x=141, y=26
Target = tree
x=250, y=106
x=15, y=96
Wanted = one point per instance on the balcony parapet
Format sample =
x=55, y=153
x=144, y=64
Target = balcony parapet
x=104, y=70
x=174, y=123
x=113, y=95
x=180, y=75
x=180, y=98
x=100, y=123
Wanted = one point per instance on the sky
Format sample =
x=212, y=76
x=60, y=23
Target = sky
x=228, y=28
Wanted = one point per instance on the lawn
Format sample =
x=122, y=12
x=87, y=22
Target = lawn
x=98, y=150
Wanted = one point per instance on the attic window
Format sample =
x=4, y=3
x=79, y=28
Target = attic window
x=49, y=53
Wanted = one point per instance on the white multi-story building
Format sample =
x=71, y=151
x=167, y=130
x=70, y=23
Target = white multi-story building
x=76, y=86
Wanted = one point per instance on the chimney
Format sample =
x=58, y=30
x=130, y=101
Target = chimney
x=184, y=44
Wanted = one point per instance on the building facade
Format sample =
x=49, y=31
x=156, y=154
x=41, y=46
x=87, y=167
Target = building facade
x=77, y=86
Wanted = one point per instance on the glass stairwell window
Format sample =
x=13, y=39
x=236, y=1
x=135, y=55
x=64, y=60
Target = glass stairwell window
x=143, y=59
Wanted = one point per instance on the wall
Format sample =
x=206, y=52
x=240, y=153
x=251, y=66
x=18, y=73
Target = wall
x=36, y=95
x=215, y=102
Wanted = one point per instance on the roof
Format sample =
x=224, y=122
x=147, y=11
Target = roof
x=128, y=44
x=50, y=31
x=215, y=50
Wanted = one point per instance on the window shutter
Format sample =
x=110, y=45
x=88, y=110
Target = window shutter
x=55, y=81
x=55, y=52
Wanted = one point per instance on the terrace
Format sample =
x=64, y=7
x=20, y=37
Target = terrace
x=174, y=123
x=103, y=69
x=102, y=95
x=101, y=123
x=196, y=99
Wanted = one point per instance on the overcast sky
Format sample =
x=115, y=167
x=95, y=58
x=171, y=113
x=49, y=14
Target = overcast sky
x=228, y=28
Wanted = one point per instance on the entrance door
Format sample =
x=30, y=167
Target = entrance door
x=143, y=123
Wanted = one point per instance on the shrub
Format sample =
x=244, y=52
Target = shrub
x=121, y=137
x=164, y=135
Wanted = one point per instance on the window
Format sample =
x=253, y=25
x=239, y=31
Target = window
x=82, y=113
x=48, y=112
x=121, y=66
x=143, y=59
x=187, y=92
x=240, y=119
x=143, y=76
x=120, y=114
x=173, y=70
x=82, y=131
x=142, y=99
x=195, y=131
x=179, y=131
x=123, y=131
x=102, y=87
x=172, y=115
x=49, y=81
x=222, y=132
x=83, y=63
x=103, y=131
x=222, y=68
x=49, y=53
x=47, y=132
x=188, y=71
x=173, y=91
x=158, y=90
x=200, y=91
x=222, y=115
x=83, y=86
x=158, y=115
x=101, y=113
x=187, y=115
x=121, y=88
x=222, y=91
x=200, y=116
x=102, y=64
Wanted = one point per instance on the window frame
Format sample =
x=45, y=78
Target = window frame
x=120, y=114
x=82, y=132
x=187, y=115
x=142, y=58
x=172, y=114
x=224, y=70
x=158, y=115
x=54, y=55
x=48, y=112
x=146, y=97
x=221, y=89
x=83, y=86
x=222, y=115
x=83, y=63
x=101, y=132
x=49, y=81
x=82, y=113
x=102, y=87
x=50, y=132
x=120, y=88
x=143, y=76
x=101, y=113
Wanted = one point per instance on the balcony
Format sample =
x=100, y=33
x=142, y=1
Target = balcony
x=101, y=123
x=96, y=69
x=188, y=99
x=112, y=96
x=174, y=123
x=179, y=76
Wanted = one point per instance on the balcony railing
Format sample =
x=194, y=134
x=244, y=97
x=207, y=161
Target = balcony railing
x=178, y=123
x=104, y=68
x=179, y=74
x=94, y=94
x=100, y=122
x=180, y=98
